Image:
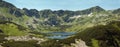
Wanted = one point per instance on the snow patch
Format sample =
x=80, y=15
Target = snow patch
x=75, y=17
x=90, y=14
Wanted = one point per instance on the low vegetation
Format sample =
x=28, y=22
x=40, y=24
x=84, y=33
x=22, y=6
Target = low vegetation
x=95, y=26
x=95, y=36
x=10, y=28
x=21, y=44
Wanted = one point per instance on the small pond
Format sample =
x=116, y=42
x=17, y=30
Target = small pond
x=59, y=35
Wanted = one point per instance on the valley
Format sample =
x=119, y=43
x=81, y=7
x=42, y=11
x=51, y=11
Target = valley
x=92, y=27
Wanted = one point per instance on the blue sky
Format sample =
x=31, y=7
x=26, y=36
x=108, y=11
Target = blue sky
x=65, y=4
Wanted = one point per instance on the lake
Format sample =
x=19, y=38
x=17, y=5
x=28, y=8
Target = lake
x=59, y=35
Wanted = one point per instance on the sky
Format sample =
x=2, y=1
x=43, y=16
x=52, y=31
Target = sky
x=65, y=4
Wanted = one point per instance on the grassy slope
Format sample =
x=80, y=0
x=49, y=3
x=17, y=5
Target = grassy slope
x=101, y=33
x=95, y=19
x=94, y=36
x=10, y=28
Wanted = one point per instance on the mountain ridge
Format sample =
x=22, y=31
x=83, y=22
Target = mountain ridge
x=32, y=18
x=96, y=26
x=36, y=12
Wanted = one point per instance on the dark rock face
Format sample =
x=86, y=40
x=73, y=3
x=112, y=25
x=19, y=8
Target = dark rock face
x=26, y=11
x=16, y=12
x=53, y=21
x=59, y=12
x=6, y=4
x=34, y=12
x=12, y=9
x=31, y=12
x=63, y=12
x=117, y=11
x=46, y=13
x=2, y=18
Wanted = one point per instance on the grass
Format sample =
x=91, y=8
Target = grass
x=11, y=29
x=95, y=43
x=21, y=44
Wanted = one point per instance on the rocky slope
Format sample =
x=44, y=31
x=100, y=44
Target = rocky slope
x=96, y=26
x=48, y=20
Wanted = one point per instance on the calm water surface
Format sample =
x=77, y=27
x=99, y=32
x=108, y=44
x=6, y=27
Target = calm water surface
x=59, y=35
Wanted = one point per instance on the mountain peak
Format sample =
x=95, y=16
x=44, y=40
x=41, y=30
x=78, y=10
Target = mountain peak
x=97, y=8
x=6, y=4
x=91, y=10
x=1, y=0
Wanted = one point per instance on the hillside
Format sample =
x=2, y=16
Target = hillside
x=48, y=20
x=10, y=28
x=97, y=36
x=94, y=27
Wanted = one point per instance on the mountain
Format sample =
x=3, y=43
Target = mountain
x=96, y=9
x=102, y=33
x=96, y=26
x=44, y=19
x=97, y=36
x=116, y=11
x=31, y=12
x=6, y=4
